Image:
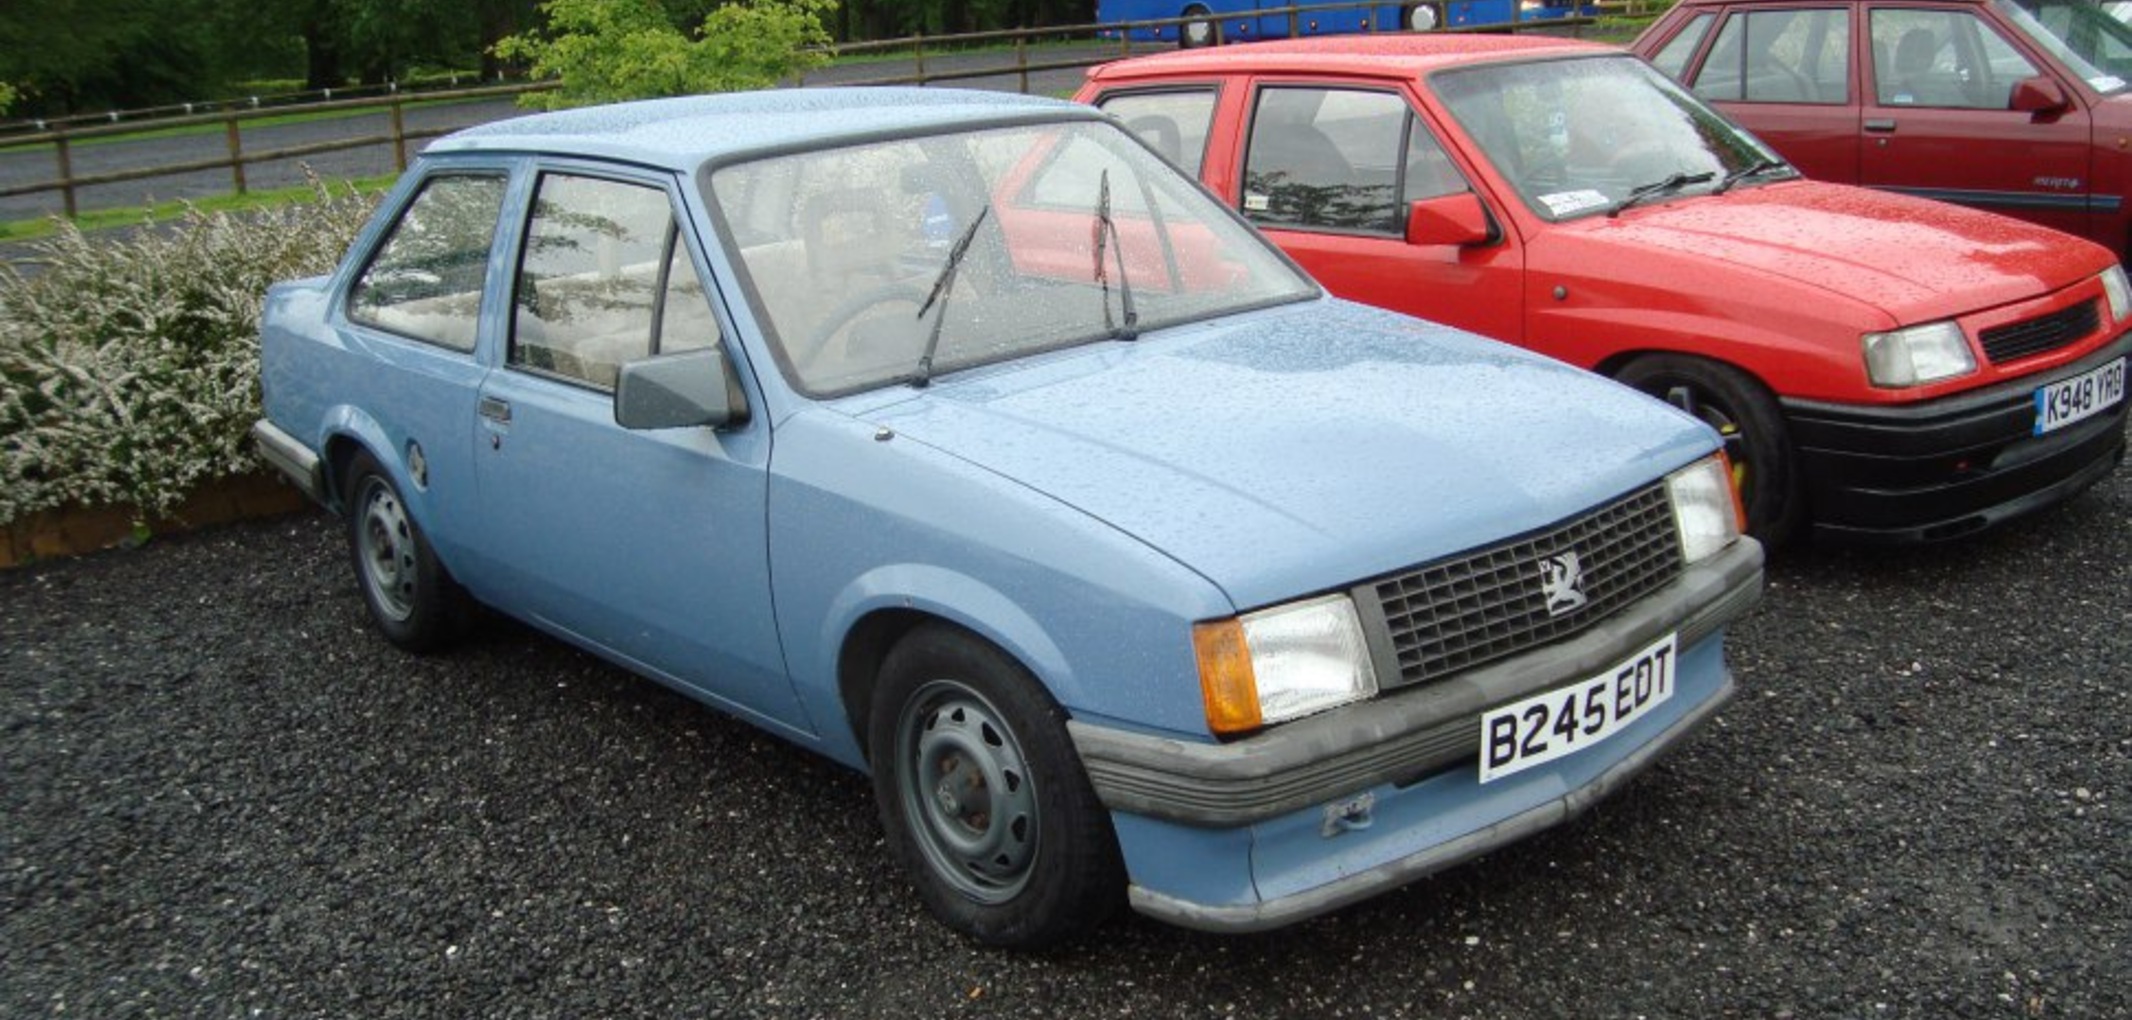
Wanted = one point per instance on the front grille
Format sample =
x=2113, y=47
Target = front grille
x=1456, y=614
x=2042, y=333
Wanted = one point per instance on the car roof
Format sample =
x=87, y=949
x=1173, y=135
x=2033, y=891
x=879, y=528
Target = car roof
x=1398, y=54
x=682, y=134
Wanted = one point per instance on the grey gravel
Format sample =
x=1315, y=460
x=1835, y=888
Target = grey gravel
x=225, y=796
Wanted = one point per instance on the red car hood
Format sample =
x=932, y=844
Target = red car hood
x=1914, y=259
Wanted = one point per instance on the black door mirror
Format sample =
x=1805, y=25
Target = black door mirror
x=680, y=390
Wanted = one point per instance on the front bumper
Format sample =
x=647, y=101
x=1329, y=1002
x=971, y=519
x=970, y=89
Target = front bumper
x=1949, y=467
x=1319, y=813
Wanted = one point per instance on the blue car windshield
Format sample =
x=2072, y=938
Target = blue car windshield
x=890, y=262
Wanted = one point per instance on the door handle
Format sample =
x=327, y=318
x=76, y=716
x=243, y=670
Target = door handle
x=1882, y=125
x=495, y=410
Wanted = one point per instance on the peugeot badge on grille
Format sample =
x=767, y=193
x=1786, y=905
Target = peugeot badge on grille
x=1560, y=576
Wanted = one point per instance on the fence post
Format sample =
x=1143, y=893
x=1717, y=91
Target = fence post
x=399, y=137
x=919, y=46
x=1021, y=62
x=1295, y=22
x=236, y=151
x=66, y=168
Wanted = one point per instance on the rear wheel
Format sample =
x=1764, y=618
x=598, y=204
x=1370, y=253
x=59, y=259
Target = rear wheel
x=1202, y=31
x=1422, y=18
x=1744, y=412
x=413, y=600
x=983, y=797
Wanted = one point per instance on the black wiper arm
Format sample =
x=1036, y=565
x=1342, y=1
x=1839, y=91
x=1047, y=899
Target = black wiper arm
x=941, y=285
x=1664, y=186
x=1756, y=168
x=1106, y=239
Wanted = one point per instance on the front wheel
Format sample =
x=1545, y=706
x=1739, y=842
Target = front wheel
x=983, y=797
x=413, y=600
x=1764, y=470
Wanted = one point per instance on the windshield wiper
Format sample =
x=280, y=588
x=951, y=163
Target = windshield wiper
x=941, y=285
x=1754, y=169
x=1106, y=236
x=1665, y=186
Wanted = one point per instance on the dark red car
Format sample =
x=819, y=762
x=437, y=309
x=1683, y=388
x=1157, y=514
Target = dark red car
x=2017, y=106
x=1883, y=367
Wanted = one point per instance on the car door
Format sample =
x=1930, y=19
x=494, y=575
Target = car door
x=1937, y=123
x=649, y=546
x=1328, y=172
x=1786, y=73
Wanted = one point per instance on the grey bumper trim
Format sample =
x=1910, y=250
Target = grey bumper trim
x=293, y=459
x=1365, y=884
x=1400, y=736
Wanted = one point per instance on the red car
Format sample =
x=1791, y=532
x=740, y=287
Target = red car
x=2016, y=106
x=1883, y=367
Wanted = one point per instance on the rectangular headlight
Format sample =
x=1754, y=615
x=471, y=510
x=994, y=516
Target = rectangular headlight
x=1917, y=355
x=1282, y=663
x=1706, y=507
x=2113, y=284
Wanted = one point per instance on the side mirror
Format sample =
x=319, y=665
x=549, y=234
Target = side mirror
x=2038, y=96
x=671, y=391
x=1458, y=219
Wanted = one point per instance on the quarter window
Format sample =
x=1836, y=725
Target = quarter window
x=425, y=280
x=1342, y=160
x=604, y=281
x=1174, y=124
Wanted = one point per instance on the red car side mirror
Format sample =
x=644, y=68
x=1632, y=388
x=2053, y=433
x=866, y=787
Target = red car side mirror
x=2039, y=96
x=1458, y=219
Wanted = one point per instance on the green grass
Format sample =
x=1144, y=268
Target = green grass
x=133, y=216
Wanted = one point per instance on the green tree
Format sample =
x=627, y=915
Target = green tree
x=611, y=50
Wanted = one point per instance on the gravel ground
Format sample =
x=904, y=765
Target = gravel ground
x=224, y=796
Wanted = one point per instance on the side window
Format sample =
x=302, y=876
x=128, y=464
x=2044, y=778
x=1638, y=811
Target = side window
x=1942, y=58
x=603, y=279
x=1174, y=124
x=1339, y=159
x=1789, y=56
x=1673, y=57
x=425, y=280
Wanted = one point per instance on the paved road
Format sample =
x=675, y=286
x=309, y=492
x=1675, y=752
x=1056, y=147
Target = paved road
x=222, y=794
x=27, y=166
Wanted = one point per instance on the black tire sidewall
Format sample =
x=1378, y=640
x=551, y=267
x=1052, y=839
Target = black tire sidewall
x=437, y=612
x=1777, y=506
x=1077, y=879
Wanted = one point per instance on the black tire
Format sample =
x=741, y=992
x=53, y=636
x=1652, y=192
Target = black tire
x=412, y=598
x=1740, y=408
x=1200, y=33
x=983, y=797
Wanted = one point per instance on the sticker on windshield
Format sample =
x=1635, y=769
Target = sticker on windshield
x=1562, y=203
x=1256, y=202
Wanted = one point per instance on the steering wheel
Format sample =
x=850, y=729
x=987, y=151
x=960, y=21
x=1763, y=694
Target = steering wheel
x=853, y=308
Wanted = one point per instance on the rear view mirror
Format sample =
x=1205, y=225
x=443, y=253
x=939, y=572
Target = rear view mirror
x=2039, y=96
x=671, y=391
x=1458, y=219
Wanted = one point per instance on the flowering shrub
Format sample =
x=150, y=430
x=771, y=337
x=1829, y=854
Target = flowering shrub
x=129, y=369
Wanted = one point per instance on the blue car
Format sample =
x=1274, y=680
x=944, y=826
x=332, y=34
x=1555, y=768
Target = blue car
x=957, y=437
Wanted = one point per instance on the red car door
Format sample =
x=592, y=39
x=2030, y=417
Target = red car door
x=1787, y=73
x=1937, y=120
x=1328, y=171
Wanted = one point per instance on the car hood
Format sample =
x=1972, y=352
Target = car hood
x=1303, y=449
x=1913, y=259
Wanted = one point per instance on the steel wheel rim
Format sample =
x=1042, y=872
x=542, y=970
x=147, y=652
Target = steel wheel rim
x=1198, y=33
x=1421, y=18
x=385, y=546
x=966, y=791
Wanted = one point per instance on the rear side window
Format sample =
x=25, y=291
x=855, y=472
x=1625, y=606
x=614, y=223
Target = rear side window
x=1174, y=124
x=425, y=280
x=603, y=281
x=1788, y=56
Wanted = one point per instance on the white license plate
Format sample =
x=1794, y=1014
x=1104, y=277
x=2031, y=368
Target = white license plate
x=2085, y=395
x=1547, y=726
